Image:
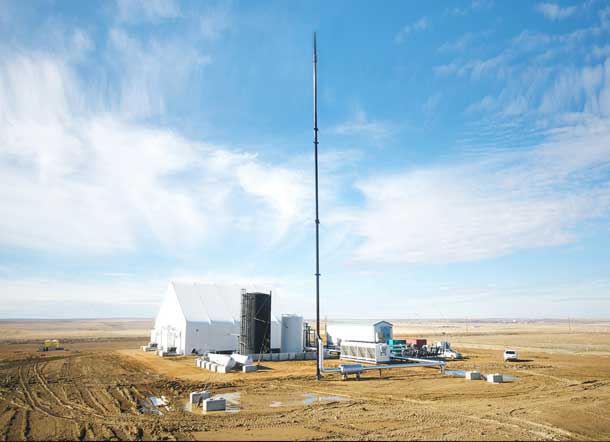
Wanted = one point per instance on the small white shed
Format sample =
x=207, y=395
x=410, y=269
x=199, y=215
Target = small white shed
x=205, y=317
x=380, y=331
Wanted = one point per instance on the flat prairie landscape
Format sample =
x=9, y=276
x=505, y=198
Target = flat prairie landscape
x=99, y=387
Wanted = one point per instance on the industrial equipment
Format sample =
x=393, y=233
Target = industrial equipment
x=380, y=331
x=397, y=346
x=358, y=369
x=347, y=369
x=309, y=336
x=372, y=352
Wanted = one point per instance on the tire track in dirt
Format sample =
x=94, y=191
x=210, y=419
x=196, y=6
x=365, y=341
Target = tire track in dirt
x=433, y=416
x=10, y=423
x=112, y=400
x=31, y=402
x=26, y=428
x=63, y=403
x=95, y=403
x=45, y=386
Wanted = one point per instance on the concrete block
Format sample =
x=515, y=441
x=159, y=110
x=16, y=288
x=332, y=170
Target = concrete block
x=472, y=375
x=310, y=355
x=248, y=368
x=222, y=359
x=283, y=356
x=495, y=378
x=242, y=359
x=218, y=404
x=197, y=396
x=221, y=369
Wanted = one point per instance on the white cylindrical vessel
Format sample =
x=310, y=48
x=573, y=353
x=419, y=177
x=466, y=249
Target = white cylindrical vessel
x=292, y=334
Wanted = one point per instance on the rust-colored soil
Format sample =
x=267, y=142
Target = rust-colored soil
x=92, y=391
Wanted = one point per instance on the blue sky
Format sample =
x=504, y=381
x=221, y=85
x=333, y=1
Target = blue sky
x=465, y=155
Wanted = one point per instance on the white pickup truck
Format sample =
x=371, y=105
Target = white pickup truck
x=451, y=354
x=510, y=355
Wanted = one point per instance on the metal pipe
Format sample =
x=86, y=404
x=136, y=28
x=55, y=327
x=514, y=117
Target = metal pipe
x=315, y=143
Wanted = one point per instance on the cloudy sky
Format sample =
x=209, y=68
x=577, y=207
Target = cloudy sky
x=465, y=155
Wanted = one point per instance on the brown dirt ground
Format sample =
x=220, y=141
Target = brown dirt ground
x=91, y=391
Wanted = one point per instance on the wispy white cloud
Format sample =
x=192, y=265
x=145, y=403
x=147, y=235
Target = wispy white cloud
x=474, y=69
x=492, y=207
x=474, y=6
x=589, y=85
x=215, y=21
x=554, y=12
x=137, y=11
x=459, y=44
x=601, y=52
x=106, y=183
x=420, y=25
x=361, y=125
x=146, y=68
x=432, y=103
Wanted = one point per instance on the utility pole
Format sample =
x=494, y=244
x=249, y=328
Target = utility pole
x=315, y=145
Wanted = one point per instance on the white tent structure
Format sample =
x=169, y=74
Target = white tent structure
x=205, y=318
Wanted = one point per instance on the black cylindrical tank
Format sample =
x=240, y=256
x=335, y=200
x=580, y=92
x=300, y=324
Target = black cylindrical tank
x=255, y=332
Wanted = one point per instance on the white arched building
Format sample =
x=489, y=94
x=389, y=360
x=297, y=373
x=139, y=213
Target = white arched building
x=205, y=318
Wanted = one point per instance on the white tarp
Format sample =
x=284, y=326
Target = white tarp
x=206, y=317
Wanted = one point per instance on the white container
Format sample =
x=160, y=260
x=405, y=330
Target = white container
x=495, y=378
x=292, y=334
x=472, y=375
x=197, y=396
x=242, y=359
x=220, y=359
x=378, y=332
x=365, y=352
x=218, y=404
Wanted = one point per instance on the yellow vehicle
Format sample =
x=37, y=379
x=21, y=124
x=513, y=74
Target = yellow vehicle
x=50, y=345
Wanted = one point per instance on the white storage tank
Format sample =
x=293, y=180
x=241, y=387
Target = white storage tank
x=292, y=334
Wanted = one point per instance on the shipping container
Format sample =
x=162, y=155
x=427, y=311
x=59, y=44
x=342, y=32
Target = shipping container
x=416, y=342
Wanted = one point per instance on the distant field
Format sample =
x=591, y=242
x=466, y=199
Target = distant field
x=36, y=329
x=549, y=335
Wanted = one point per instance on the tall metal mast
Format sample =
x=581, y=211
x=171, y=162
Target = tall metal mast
x=315, y=145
